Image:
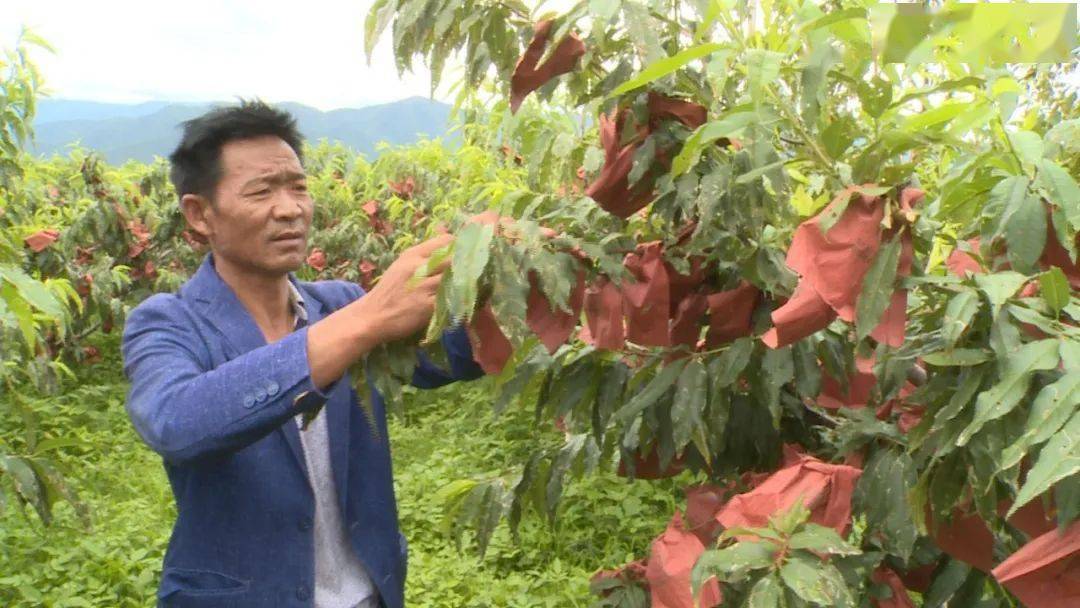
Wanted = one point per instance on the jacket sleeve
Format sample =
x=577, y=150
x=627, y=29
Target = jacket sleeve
x=185, y=411
x=458, y=353
x=455, y=342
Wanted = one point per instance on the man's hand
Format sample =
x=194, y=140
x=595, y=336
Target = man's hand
x=401, y=304
x=397, y=307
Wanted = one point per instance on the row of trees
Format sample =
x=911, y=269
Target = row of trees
x=799, y=272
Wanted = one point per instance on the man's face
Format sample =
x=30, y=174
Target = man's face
x=260, y=219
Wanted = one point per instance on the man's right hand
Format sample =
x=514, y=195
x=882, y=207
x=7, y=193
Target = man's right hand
x=401, y=305
x=397, y=307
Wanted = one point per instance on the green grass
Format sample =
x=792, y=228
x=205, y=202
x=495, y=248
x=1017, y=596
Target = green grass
x=447, y=434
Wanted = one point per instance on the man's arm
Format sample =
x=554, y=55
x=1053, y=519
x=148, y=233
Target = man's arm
x=459, y=355
x=186, y=412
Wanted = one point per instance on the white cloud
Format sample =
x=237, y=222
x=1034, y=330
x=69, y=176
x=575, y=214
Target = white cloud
x=201, y=50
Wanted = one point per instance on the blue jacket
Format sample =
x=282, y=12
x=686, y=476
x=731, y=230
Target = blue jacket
x=218, y=404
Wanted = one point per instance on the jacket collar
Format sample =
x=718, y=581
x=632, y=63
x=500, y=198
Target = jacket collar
x=223, y=309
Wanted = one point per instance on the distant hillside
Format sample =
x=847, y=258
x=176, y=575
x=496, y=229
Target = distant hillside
x=140, y=131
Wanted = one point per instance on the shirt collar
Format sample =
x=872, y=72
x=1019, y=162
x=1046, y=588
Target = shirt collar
x=297, y=302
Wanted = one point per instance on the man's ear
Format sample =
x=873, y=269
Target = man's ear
x=196, y=208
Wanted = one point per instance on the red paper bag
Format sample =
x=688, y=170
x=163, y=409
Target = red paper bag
x=824, y=488
x=668, y=571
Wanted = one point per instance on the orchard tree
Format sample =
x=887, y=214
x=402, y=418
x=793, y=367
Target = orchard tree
x=831, y=274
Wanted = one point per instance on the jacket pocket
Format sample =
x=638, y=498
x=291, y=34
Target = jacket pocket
x=180, y=582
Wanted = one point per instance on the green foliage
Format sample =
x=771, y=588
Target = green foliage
x=818, y=117
x=792, y=562
x=116, y=561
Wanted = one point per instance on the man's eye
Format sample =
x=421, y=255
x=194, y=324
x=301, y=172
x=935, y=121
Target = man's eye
x=300, y=187
x=262, y=192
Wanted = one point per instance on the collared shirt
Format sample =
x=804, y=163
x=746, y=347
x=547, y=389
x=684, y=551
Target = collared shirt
x=341, y=581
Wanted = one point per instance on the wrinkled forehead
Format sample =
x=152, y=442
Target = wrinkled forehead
x=246, y=159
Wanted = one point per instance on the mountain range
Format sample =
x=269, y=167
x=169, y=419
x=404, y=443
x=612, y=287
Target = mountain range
x=122, y=132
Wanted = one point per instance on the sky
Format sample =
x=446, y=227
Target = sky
x=311, y=51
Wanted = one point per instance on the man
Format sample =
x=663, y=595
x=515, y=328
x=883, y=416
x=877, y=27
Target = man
x=222, y=371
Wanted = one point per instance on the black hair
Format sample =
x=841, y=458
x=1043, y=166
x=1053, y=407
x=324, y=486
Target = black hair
x=196, y=162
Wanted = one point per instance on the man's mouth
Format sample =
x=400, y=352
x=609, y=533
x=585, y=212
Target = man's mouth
x=289, y=238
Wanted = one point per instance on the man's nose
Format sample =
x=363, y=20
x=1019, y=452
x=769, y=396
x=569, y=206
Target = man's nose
x=287, y=206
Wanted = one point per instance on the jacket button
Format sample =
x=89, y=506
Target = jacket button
x=303, y=593
x=272, y=388
x=249, y=401
x=305, y=524
x=260, y=395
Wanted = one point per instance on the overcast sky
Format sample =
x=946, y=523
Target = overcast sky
x=208, y=50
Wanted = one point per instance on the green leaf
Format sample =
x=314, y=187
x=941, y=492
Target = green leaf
x=665, y=66
x=999, y=287
x=725, y=369
x=1055, y=289
x=813, y=79
x=821, y=539
x=947, y=583
x=969, y=382
x=762, y=70
x=691, y=391
x=472, y=248
x=832, y=17
x=948, y=85
x=1062, y=189
x=643, y=161
x=603, y=10
x=1033, y=317
x=526, y=362
x=1025, y=233
x=875, y=95
x=1053, y=406
x=768, y=592
x=1067, y=500
x=57, y=488
x=509, y=294
x=730, y=125
x=377, y=19
x=787, y=521
x=877, y=288
x=54, y=443
x=958, y=357
x=33, y=291
x=757, y=172
x=935, y=116
x=1013, y=384
x=807, y=369
x=732, y=563
x=959, y=312
x=659, y=384
x=882, y=494
x=1059, y=459
x=1070, y=355
x=565, y=459
x=608, y=396
x=27, y=484
x=777, y=369
x=816, y=581
x=1027, y=145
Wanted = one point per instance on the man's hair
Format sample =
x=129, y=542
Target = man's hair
x=196, y=162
